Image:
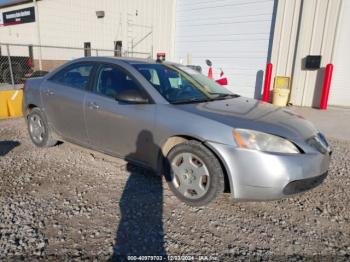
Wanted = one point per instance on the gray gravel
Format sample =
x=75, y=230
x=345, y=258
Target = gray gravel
x=68, y=203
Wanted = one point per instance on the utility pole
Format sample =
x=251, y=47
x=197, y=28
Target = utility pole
x=38, y=33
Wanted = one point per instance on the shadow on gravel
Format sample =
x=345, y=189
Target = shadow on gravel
x=7, y=146
x=140, y=230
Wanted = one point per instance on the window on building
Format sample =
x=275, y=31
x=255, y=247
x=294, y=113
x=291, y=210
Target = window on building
x=118, y=45
x=87, y=49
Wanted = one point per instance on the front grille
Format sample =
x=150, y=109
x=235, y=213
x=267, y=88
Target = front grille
x=302, y=185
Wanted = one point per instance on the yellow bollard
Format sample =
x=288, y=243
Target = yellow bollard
x=11, y=103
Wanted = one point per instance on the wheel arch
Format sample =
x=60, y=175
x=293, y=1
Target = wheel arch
x=174, y=140
x=29, y=108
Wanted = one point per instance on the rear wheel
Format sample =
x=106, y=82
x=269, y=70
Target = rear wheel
x=194, y=174
x=39, y=130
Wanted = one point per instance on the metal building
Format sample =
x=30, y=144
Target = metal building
x=133, y=27
x=234, y=34
x=239, y=36
x=319, y=28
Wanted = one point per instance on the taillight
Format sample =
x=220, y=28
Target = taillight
x=30, y=62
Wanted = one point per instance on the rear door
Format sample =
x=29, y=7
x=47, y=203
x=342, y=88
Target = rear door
x=115, y=127
x=63, y=98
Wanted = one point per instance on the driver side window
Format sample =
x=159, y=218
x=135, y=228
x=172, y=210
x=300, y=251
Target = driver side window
x=111, y=81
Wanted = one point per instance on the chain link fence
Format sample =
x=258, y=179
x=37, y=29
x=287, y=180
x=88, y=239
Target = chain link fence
x=19, y=61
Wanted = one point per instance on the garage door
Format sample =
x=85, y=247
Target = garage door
x=234, y=34
x=340, y=89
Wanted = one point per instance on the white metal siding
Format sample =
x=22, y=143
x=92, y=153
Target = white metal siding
x=23, y=33
x=234, y=34
x=340, y=88
x=318, y=25
x=73, y=22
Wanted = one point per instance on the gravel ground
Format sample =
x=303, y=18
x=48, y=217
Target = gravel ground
x=66, y=202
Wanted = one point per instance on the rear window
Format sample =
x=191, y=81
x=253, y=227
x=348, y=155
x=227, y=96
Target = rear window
x=76, y=76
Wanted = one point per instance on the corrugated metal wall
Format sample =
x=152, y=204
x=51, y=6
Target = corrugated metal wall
x=73, y=22
x=304, y=28
x=24, y=33
x=234, y=34
x=340, y=89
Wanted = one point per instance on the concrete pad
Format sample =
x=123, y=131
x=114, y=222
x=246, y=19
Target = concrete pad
x=333, y=122
x=4, y=86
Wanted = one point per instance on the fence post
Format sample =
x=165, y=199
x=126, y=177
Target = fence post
x=96, y=52
x=10, y=65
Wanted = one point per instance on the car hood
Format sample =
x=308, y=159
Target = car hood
x=256, y=115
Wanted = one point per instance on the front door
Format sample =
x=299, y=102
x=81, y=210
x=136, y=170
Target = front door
x=63, y=98
x=116, y=127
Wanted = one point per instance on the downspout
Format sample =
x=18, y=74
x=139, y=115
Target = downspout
x=38, y=33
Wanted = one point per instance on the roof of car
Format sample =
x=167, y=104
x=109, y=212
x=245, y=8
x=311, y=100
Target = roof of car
x=132, y=60
x=129, y=60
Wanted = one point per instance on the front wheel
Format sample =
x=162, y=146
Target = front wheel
x=194, y=174
x=39, y=130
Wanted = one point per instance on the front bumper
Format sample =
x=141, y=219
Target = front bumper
x=256, y=175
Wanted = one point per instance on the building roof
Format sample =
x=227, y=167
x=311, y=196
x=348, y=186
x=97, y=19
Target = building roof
x=6, y=3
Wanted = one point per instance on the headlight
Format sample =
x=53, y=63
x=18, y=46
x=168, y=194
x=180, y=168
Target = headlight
x=263, y=142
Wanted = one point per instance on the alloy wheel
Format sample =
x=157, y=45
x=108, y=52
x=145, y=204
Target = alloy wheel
x=36, y=128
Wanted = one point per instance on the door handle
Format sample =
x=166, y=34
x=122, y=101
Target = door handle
x=93, y=105
x=49, y=92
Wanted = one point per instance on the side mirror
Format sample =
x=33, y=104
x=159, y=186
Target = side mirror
x=132, y=96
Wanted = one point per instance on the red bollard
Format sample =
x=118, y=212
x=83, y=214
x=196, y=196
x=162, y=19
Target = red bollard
x=210, y=73
x=267, y=83
x=326, y=86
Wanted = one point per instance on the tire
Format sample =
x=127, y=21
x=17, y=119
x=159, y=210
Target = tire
x=38, y=129
x=194, y=174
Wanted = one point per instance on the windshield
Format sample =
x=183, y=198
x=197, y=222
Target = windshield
x=181, y=84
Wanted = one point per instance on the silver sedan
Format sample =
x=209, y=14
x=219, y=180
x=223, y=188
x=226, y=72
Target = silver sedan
x=204, y=139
